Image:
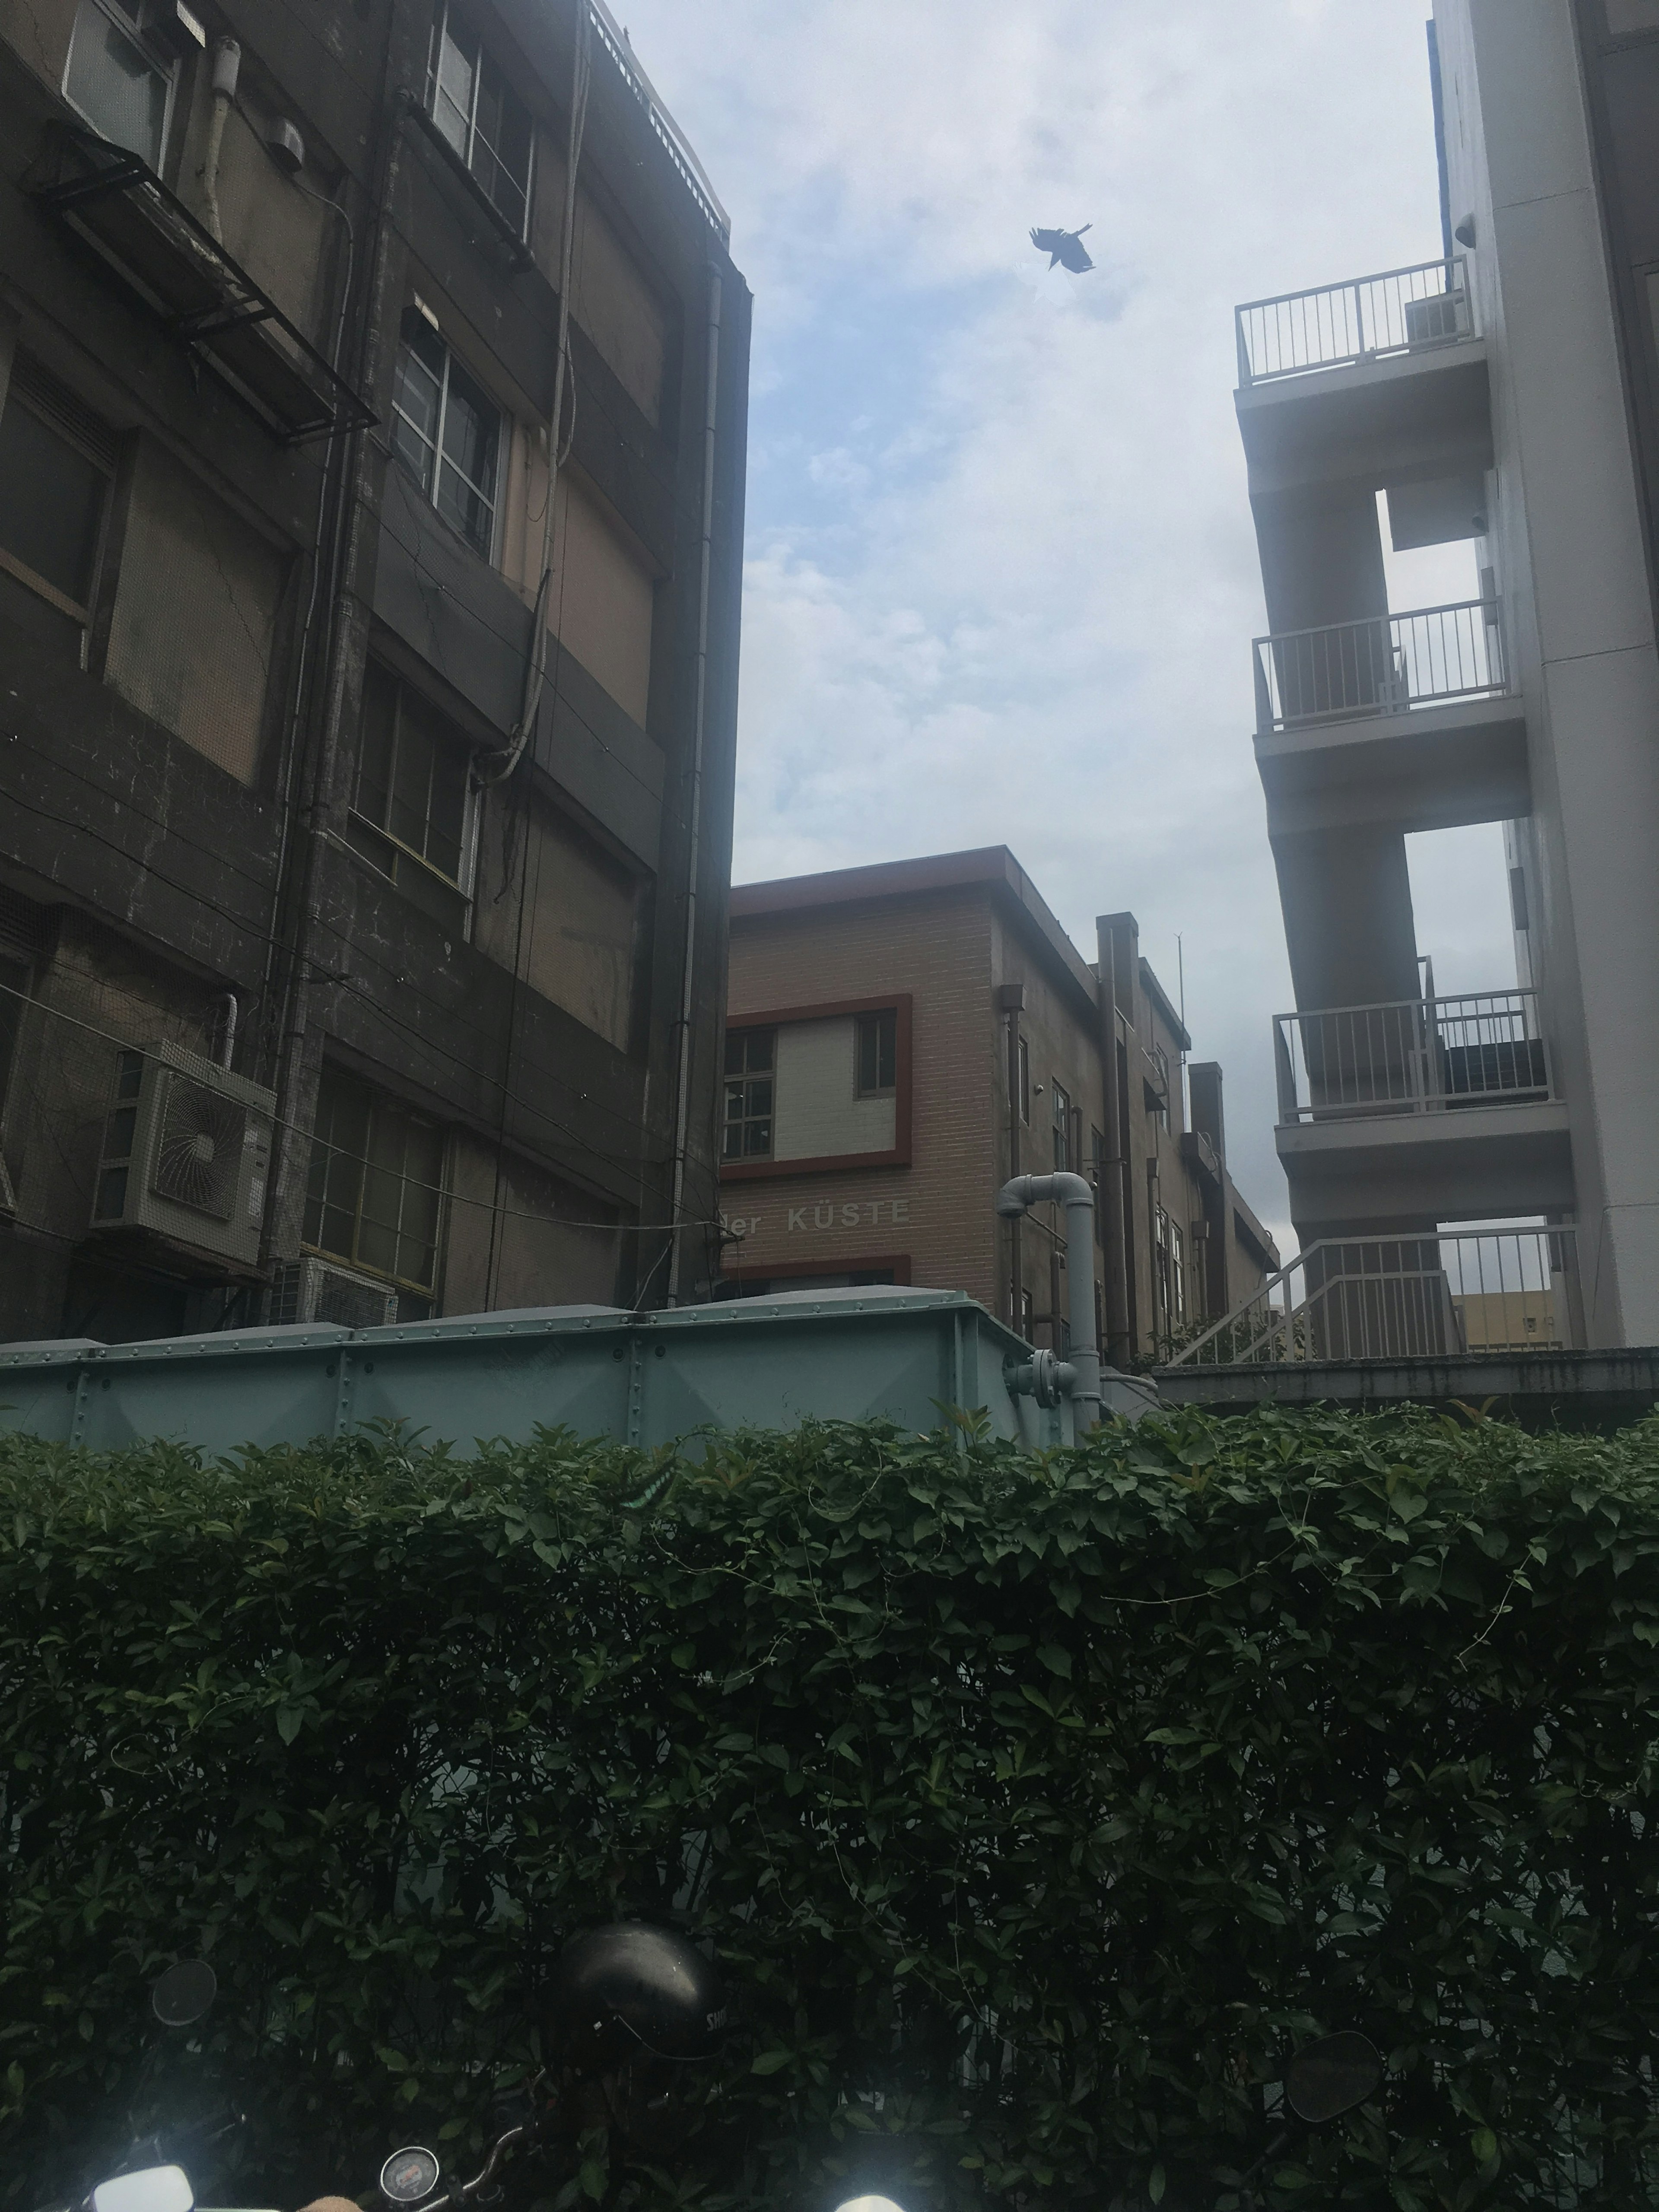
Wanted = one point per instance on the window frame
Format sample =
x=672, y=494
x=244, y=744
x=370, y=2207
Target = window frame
x=365, y=1165
x=440, y=15
x=745, y=1077
x=17, y=394
x=460, y=886
x=417, y=322
x=1061, y=1118
x=899, y=1003
x=877, y=1023
x=136, y=30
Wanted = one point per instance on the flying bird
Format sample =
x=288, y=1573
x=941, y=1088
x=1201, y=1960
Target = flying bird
x=1064, y=247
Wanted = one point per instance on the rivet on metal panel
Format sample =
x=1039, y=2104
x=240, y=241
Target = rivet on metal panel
x=618, y=1353
x=368, y=1367
x=636, y=1390
x=78, y=1417
x=343, y=1396
x=661, y=1351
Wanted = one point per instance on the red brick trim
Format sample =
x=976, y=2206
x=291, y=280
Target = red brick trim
x=903, y=1088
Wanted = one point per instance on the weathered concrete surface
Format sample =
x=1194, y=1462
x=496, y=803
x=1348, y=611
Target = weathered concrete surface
x=1569, y=1389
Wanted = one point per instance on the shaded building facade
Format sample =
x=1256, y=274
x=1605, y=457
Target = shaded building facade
x=365, y=810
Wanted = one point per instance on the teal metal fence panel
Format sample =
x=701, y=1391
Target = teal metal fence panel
x=894, y=1354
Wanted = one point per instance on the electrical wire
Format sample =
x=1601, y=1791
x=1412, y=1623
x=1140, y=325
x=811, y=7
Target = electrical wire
x=411, y=1183
x=626, y=1164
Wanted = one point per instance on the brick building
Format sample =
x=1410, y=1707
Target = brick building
x=900, y=1039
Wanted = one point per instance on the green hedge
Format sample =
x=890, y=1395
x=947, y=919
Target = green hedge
x=1037, y=1806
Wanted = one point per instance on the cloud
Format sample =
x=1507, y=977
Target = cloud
x=1002, y=580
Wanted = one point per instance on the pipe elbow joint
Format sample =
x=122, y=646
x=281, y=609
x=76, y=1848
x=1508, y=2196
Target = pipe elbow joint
x=1020, y=1193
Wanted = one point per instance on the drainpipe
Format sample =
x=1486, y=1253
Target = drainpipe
x=227, y=61
x=683, y=1081
x=1017, y=1196
x=228, y=1042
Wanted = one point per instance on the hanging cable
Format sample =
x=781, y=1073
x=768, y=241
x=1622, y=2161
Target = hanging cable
x=559, y=441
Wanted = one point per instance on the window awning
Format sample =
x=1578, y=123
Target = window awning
x=156, y=247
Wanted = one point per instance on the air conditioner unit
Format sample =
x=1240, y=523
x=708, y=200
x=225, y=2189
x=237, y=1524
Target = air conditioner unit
x=310, y=1289
x=1434, y=321
x=186, y=1152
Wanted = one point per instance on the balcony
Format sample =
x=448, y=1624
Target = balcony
x=1437, y=1108
x=1407, y=720
x=1377, y=377
x=1440, y=1296
x=144, y=237
x=1364, y=319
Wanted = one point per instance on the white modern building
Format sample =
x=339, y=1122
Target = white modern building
x=1506, y=394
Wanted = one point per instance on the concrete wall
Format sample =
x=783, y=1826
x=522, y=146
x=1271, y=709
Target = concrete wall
x=1568, y=546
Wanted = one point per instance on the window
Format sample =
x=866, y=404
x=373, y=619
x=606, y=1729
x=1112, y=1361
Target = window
x=446, y=432
x=1161, y=1063
x=408, y=803
x=56, y=465
x=749, y=1056
x=113, y=77
x=877, y=1055
x=1022, y=1078
x=1027, y=1315
x=1062, y=1127
x=483, y=118
x=372, y=1197
x=1170, y=1264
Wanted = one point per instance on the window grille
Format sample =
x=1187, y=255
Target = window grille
x=877, y=1055
x=410, y=798
x=480, y=115
x=446, y=432
x=751, y=1057
x=374, y=1192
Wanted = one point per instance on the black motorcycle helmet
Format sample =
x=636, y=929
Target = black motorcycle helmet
x=624, y=1992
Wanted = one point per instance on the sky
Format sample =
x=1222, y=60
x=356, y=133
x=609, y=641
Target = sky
x=1000, y=576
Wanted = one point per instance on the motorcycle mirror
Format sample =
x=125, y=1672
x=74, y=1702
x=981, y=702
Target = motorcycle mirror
x=156, y=2189
x=1326, y=2079
x=184, y=1993
x=869, y=2204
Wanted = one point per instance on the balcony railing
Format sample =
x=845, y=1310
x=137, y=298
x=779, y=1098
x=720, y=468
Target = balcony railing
x=1337, y=325
x=1407, y=1297
x=1385, y=665
x=1417, y=1057
x=613, y=37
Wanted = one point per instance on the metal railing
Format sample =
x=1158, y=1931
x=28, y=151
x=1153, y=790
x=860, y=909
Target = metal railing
x=1434, y=1295
x=1336, y=325
x=1384, y=665
x=615, y=40
x=1417, y=1056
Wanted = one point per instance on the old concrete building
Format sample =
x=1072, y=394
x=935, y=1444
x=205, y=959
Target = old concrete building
x=902, y=1038
x=1507, y=396
x=371, y=504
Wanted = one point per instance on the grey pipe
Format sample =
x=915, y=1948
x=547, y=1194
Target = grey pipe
x=228, y=1042
x=227, y=62
x=1017, y=1196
